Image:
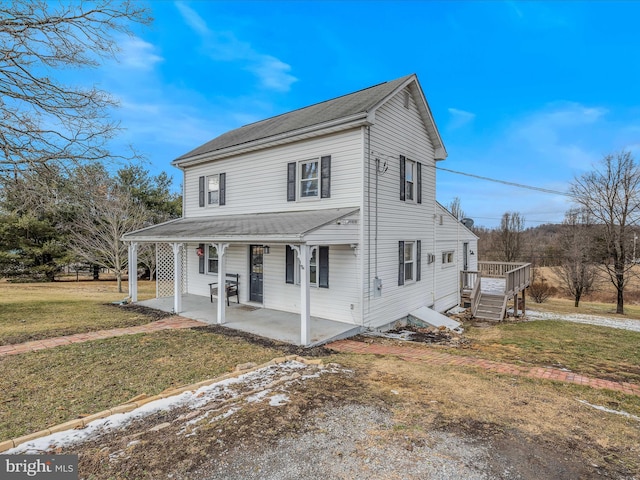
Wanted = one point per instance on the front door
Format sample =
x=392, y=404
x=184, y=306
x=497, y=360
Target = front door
x=256, y=253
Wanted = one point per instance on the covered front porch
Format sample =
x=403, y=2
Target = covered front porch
x=274, y=263
x=274, y=324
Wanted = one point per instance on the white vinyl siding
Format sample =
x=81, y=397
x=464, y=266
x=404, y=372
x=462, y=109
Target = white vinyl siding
x=451, y=235
x=257, y=181
x=397, y=131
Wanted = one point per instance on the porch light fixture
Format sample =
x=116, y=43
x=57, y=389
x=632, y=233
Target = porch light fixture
x=472, y=252
x=266, y=249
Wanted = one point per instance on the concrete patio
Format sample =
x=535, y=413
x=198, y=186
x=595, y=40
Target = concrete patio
x=274, y=324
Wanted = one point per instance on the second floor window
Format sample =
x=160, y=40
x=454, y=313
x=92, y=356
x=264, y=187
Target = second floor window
x=213, y=190
x=410, y=180
x=409, y=175
x=309, y=179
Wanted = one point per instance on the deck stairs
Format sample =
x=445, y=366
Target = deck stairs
x=491, y=307
x=488, y=290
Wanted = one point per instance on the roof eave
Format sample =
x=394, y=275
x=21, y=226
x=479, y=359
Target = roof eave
x=344, y=123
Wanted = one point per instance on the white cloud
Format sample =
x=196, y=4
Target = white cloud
x=272, y=72
x=191, y=18
x=137, y=54
x=561, y=133
x=459, y=118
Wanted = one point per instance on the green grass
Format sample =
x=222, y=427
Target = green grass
x=52, y=386
x=43, y=310
x=586, y=349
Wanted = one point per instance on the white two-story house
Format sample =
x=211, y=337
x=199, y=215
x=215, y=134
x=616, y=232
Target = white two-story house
x=328, y=211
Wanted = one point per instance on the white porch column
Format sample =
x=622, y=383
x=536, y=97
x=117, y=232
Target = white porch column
x=177, y=277
x=304, y=253
x=133, y=271
x=222, y=280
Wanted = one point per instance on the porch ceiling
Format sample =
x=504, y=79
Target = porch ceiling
x=258, y=227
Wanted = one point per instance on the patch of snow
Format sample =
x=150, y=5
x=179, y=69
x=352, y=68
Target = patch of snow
x=220, y=391
x=279, y=399
x=608, y=410
x=493, y=286
x=257, y=397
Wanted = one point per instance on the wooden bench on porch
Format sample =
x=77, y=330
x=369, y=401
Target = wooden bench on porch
x=231, y=287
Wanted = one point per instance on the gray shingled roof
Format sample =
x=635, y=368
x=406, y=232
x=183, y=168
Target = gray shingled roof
x=358, y=102
x=260, y=226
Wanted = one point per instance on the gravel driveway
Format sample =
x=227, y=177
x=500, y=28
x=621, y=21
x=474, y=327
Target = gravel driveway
x=613, y=322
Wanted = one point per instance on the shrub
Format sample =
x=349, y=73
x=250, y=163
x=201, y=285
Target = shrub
x=540, y=290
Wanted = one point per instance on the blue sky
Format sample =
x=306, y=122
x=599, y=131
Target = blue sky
x=527, y=92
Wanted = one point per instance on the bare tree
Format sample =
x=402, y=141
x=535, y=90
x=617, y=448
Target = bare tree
x=577, y=272
x=611, y=196
x=147, y=258
x=455, y=207
x=99, y=227
x=43, y=120
x=510, y=232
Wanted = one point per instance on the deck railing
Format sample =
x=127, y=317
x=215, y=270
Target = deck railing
x=517, y=276
x=498, y=269
x=471, y=285
x=518, y=279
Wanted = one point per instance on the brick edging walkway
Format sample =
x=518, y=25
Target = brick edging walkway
x=436, y=357
x=170, y=323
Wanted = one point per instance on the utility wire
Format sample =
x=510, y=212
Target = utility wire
x=504, y=182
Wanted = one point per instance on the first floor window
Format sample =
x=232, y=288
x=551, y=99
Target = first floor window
x=212, y=259
x=408, y=261
x=447, y=257
x=313, y=268
x=318, y=267
x=213, y=190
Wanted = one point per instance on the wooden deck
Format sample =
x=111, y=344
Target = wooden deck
x=491, y=303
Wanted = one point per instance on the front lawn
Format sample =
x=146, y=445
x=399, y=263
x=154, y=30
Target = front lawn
x=52, y=386
x=33, y=311
x=591, y=350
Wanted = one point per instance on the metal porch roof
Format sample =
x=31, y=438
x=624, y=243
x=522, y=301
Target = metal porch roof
x=259, y=227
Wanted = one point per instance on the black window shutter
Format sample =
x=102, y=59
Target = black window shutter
x=290, y=255
x=201, y=191
x=291, y=182
x=403, y=166
x=201, y=258
x=325, y=177
x=418, y=259
x=419, y=181
x=223, y=189
x=400, y=263
x=323, y=261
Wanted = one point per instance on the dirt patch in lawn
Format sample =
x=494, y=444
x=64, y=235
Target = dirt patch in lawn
x=285, y=348
x=151, y=313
